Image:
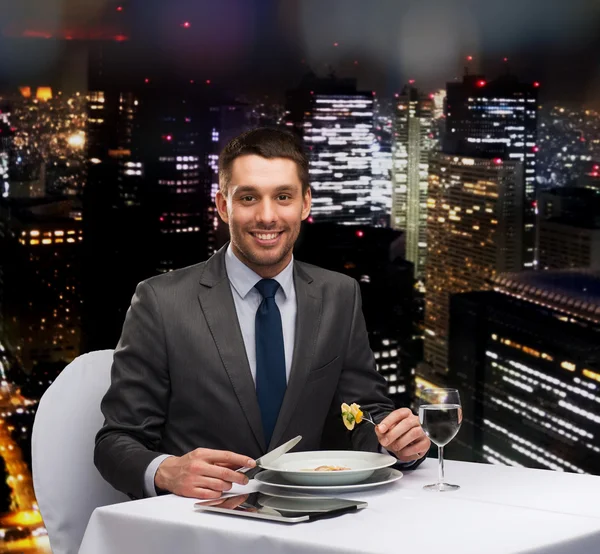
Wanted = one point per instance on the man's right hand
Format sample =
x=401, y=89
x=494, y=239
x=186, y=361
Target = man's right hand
x=202, y=473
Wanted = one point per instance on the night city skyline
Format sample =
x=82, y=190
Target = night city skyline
x=454, y=153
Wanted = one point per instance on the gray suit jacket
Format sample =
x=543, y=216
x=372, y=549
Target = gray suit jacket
x=181, y=379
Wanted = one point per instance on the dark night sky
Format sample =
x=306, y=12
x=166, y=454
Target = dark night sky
x=259, y=45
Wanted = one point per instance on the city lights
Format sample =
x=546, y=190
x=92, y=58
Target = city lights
x=464, y=213
x=43, y=94
x=77, y=140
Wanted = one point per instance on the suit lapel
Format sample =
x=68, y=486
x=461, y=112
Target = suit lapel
x=308, y=319
x=219, y=310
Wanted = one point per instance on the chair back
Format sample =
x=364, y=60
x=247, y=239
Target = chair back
x=67, y=485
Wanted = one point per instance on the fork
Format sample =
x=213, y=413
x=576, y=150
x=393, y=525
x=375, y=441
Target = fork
x=367, y=417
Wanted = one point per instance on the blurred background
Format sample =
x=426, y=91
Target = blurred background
x=455, y=166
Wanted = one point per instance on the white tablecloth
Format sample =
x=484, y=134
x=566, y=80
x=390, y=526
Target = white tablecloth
x=498, y=509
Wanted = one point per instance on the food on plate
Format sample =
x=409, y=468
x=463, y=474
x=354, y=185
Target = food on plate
x=331, y=468
x=351, y=415
x=328, y=468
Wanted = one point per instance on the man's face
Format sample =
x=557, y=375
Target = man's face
x=264, y=207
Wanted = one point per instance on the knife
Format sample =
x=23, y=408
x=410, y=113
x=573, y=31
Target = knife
x=270, y=457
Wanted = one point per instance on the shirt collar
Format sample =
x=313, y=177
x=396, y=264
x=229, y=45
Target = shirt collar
x=243, y=278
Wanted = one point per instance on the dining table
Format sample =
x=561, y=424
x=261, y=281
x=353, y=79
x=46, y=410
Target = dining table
x=497, y=510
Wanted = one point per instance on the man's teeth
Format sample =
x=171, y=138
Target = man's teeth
x=266, y=236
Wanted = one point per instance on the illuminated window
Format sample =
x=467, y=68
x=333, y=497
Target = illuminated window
x=526, y=349
x=531, y=351
x=591, y=375
x=569, y=366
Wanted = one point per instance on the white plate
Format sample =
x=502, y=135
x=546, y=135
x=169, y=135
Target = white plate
x=309, y=505
x=379, y=477
x=296, y=467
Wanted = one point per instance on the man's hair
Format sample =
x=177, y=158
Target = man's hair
x=267, y=143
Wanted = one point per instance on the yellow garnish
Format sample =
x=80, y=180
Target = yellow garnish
x=351, y=415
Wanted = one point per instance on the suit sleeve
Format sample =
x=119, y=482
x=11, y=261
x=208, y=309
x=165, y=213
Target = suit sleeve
x=360, y=382
x=136, y=403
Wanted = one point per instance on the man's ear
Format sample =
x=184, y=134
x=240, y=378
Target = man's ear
x=221, y=203
x=306, y=204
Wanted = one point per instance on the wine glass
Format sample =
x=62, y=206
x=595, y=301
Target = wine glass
x=440, y=415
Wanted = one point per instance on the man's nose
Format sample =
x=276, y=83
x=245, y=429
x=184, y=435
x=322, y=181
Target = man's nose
x=267, y=212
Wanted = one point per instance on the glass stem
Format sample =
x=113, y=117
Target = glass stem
x=440, y=465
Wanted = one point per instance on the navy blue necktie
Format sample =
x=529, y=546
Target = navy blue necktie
x=270, y=357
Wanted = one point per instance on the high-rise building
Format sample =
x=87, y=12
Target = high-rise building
x=438, y=124
x=147, y=197
x=5, y=148
x=336, y=123
x=172, y=140
x=118, y=230
x=439, y=100
x=41, y=308
x=497, y=119
x=227, y=121
x=526, y=359
x=381, y=161
x=569, y=228
x=411, y=148
x=474, y=230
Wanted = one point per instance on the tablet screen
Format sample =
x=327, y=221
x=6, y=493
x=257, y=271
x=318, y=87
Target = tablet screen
x=277, y=508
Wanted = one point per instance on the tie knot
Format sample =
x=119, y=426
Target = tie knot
x=267, y=287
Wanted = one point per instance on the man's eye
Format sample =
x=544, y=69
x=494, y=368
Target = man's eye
x=247, y=198
x=284, y=197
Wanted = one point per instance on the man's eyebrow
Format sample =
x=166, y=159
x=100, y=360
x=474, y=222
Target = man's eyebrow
x=282, y=188
x=246, y=189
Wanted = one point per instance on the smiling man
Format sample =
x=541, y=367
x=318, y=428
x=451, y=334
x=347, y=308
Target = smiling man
x=224, y=360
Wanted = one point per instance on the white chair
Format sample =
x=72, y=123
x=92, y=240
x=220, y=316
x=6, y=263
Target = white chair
x=67, y=485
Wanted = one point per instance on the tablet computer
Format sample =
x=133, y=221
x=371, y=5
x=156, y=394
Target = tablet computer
x=280, y=509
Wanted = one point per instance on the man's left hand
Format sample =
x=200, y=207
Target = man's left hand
x=401, y=433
